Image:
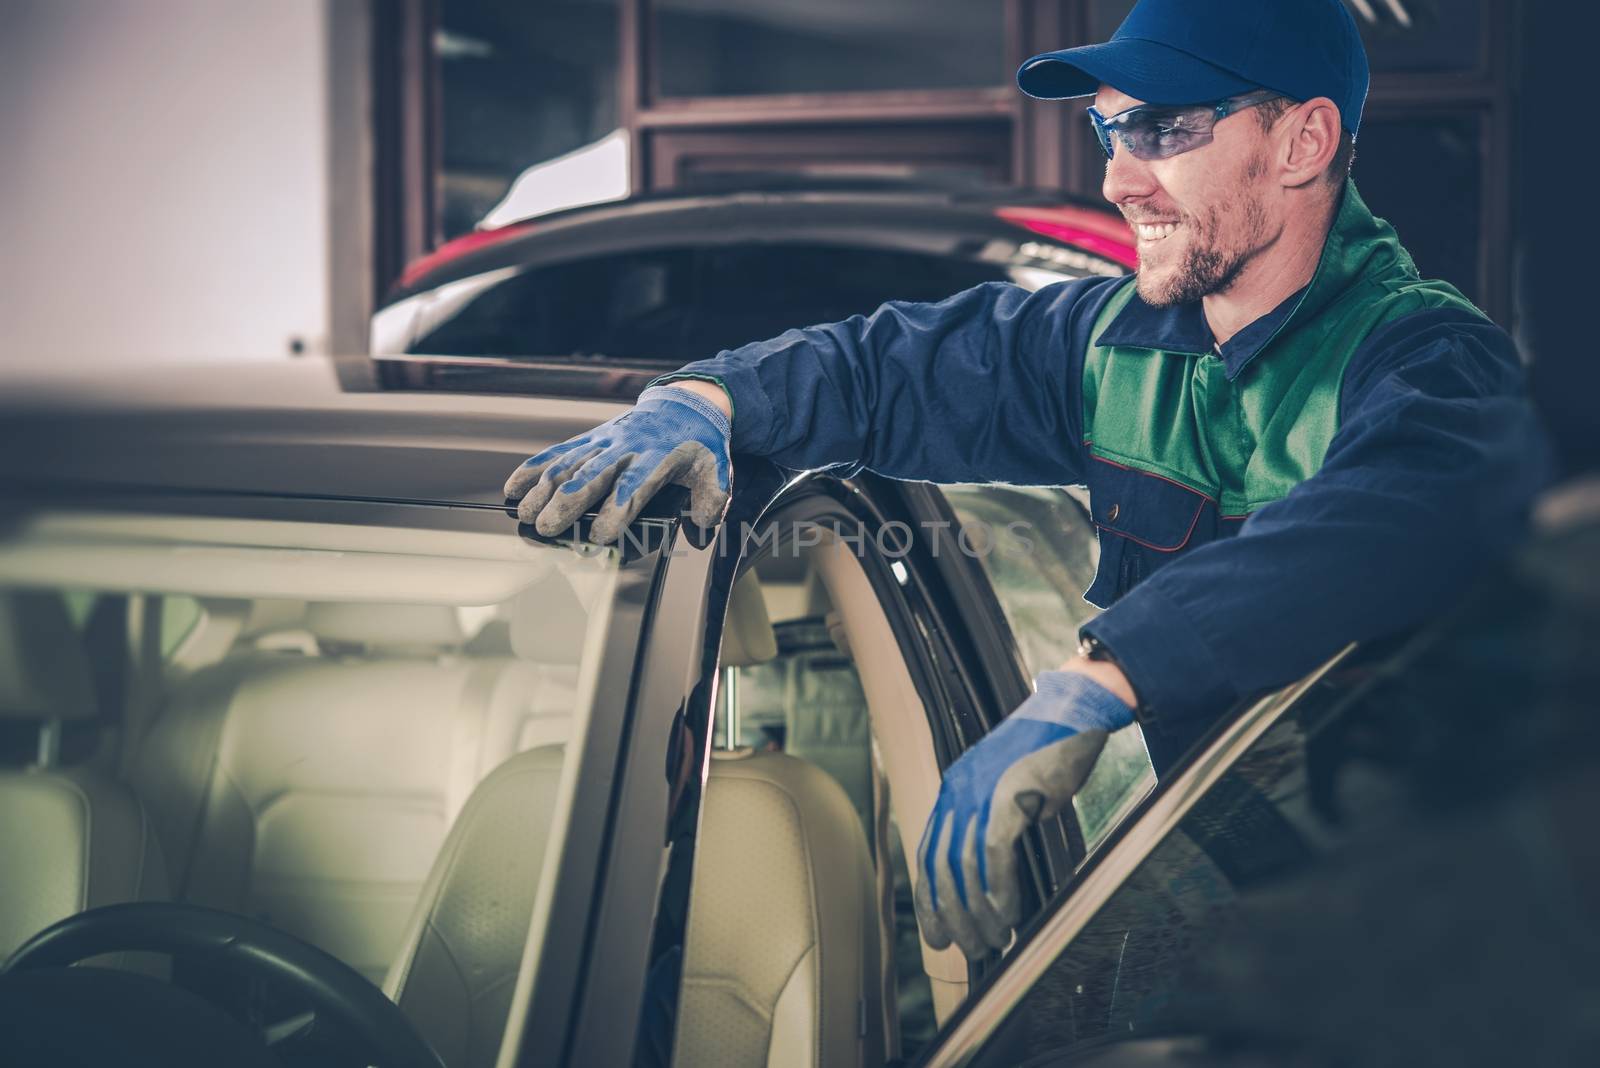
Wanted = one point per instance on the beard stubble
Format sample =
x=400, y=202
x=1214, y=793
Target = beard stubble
x=1210, y=262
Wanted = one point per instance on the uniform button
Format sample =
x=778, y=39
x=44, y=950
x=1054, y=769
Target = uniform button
x=1111, y=513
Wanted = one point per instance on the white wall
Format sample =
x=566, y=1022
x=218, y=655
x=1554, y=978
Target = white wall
x=164, y=180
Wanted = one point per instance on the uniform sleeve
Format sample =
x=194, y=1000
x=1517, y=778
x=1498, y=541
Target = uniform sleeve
x=1429, y=478
x=983, y=386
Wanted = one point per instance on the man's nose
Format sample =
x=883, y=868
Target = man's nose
x=1127, y=178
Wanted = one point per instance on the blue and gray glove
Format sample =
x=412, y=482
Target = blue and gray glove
x=671, y=436
x=1026, y=769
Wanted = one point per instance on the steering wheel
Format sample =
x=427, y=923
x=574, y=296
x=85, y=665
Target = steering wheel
x=380, y=1031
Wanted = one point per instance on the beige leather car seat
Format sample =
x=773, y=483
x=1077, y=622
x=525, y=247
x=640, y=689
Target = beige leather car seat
x=462, y=948
x=781, y=964
x=781, y=961
x=315, y=791
x=70, y=839
x=458, y=962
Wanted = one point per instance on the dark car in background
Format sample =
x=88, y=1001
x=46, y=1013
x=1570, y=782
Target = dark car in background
x=654, y=282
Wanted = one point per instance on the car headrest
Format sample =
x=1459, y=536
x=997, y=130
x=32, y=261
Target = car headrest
x=269, y=615
x=548, y=622
x=747, y=636
x=405, y=626
x=44, y=672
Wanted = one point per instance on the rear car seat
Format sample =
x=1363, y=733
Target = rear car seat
x=811, y=687
x=314, y=792
x=70, y=839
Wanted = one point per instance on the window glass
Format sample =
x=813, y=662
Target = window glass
x=1413, y=36
x=79, y=604
x=179, y=616
x=1416, y=36
x=807, y=701
x=1439, y=220
x=1039, y=550
x=753, y=161
x=680, y=304
x=1301, y=790
x=1105, y=16
x=740, y=47
x=528, y=97
x=357, y=686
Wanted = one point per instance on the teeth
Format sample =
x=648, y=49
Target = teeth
x=1155, y=231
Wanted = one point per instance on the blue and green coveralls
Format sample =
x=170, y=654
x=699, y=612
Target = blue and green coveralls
x=1339, y=470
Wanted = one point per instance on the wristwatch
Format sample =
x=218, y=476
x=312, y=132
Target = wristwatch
x=1092, y=648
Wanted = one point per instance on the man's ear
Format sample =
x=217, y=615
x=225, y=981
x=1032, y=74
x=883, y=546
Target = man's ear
x=1313, y=131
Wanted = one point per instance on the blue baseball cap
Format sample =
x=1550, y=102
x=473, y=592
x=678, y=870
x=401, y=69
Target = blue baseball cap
x=1197, y=51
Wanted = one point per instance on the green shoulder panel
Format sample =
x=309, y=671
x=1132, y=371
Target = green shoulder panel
x=1247, y=441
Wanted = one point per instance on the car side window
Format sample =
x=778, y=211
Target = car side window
x=673, y=305
x=180, y=616
x=803, y=696
x=1039, y=551
x=748, y=292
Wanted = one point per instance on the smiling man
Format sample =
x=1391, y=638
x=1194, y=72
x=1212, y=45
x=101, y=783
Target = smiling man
x=1291, y=440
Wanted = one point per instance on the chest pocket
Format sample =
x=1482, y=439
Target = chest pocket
x=1143, y=521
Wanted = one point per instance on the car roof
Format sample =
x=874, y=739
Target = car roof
x=284, y=428
x=869, y=214
x=736, y=189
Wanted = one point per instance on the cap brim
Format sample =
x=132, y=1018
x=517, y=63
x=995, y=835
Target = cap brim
x=1147, y=71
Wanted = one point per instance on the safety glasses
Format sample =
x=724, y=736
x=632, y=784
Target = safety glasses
x=1160, y=131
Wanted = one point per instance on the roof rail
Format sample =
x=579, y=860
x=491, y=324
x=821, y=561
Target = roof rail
x=546, y=376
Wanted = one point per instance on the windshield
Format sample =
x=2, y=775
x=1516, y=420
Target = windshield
x=363, y=735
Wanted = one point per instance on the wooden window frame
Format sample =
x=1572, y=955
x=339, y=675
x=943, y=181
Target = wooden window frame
x=942, y=142
x=407, y=155
x=1047, y=150
x=652, y=118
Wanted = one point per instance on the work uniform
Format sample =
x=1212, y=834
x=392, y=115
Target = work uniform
x=1337, y=470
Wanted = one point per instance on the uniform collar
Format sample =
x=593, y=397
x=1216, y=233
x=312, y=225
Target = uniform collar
x=1357, y=244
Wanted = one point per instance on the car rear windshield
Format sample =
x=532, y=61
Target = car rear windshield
x=672, y=305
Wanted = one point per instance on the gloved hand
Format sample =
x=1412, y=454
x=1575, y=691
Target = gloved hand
x=1025, y=770
x=669, y=436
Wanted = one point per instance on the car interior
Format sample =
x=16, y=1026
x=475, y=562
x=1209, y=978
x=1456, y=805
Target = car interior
x=351, y=772
x=812, y=679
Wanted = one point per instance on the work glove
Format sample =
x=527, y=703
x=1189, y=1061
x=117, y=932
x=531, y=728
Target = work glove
x=670, y=436
x=1025, y=770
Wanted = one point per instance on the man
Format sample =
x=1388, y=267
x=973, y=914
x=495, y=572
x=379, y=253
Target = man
x=1291, y=441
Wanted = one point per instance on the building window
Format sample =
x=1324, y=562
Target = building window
x=528, y=109
x=1438, y=220
x=1402, y=36
x=1421, y=36
x=718, y=48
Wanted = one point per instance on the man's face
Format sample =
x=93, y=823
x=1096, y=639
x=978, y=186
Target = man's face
x=1199, y=217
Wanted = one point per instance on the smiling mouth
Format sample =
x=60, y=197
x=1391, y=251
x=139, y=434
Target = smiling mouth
x=1155, y=231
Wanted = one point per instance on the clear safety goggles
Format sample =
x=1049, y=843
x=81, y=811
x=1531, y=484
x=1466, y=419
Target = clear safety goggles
x=1161, y=131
